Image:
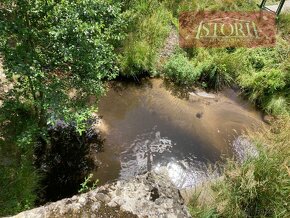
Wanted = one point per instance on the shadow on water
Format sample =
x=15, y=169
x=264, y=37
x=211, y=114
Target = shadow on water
x=64, y=161
x=176, y=90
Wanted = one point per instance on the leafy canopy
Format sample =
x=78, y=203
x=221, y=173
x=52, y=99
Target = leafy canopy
x=57, y=53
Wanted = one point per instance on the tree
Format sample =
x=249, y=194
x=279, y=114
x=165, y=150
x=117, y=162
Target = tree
x=57, y=53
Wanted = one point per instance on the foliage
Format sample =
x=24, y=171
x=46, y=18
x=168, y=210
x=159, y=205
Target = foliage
x=181, y=70
x=53, y=48
x=214, y=69
x=283, y=24
x=55, y=55
x=18, y=186
x=85, y=185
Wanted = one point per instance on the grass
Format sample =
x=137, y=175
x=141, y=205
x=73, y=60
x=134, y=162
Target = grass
x=150, y=24
x=260, y=187
x=265, y=80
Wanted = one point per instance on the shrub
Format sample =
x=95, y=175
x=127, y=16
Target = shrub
x=18, y=186
x=267, y=81
x=19, y=178
x=137, y=58
x=262, y=85
x=181, y=70
x=277, y=105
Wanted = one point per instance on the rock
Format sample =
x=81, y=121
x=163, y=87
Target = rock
x=148, y=195
x=82, y=200
x=268, y=119
x=95, y=206
x=206, y=95
x=102, y=197
x=243, y=149
x=200, y=95
x=192, y=96
x=199, y=115
x=112, y=204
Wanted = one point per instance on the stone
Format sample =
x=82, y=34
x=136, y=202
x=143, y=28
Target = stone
x=201, y=95
x=206, y=95
x=148, y=195
x=102, y=197
x=199, y=115
x=192, y=96
x=112, y=204
x=82, y=200
x=95, y=207
x=268, y=119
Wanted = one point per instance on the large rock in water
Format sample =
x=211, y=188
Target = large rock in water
x=148, y=195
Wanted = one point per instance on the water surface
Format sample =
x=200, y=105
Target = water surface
x=147, y=127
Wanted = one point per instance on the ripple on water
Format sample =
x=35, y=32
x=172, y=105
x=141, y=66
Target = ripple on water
x=145, y=153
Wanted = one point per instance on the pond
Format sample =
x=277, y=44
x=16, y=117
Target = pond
x=153, y=126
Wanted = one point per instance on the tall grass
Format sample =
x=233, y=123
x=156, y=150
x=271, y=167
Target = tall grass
x=260, y=187
x=283, y=24
x=266, y=82
x=150, y=24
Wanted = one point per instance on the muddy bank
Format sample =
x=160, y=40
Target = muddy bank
x=148, y=195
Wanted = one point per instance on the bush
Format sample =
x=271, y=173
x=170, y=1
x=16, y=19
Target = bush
x=215, y=69
x=181, y=70
x=277, y=105
x=18, y=186
x=137, y=58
